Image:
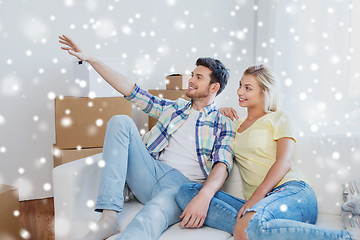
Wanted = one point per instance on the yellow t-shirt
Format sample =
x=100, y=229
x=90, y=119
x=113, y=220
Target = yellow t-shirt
x=255, y=150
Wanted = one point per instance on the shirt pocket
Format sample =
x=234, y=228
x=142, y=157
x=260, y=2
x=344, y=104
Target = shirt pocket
x=258, y=138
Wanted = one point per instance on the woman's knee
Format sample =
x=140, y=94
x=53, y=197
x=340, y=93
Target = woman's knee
x=243, y=226
x=186, y=193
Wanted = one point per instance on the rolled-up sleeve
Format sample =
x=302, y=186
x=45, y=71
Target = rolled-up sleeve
x=224, y=146
x=148, y=103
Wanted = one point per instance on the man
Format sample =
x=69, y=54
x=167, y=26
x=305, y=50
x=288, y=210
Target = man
x=191, y=141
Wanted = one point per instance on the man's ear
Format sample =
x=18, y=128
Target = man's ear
x=215, y=87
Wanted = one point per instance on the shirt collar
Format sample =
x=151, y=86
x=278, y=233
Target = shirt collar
x=206, y=110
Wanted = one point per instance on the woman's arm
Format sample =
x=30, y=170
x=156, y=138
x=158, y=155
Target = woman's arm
x=284, y=152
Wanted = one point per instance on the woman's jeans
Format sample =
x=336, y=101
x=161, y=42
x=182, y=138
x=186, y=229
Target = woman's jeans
x=288, y=212
x=154, y=183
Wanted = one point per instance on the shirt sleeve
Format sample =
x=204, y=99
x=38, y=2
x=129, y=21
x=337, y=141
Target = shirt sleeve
x=224, y=146
x=152, y=105
x=282, y=126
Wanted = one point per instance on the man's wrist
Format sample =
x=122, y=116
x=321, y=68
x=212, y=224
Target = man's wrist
x=206, y=193
x=92, y=60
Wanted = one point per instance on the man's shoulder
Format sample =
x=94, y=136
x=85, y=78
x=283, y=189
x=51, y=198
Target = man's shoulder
x=176, y=105
x=179, y=103
x=222, y=119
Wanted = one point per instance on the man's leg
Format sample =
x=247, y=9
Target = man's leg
x=161, y=211
x=123, y=149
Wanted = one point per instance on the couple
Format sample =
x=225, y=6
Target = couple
x=177, y=169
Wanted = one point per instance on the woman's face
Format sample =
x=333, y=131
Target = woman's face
x=249, y=92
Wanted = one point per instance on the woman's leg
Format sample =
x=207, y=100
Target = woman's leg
x=241, y=225
x=289, y=212
x=223, y=208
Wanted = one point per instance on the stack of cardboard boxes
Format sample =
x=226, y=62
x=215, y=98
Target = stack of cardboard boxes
x=80, y=122
x=80, y=125
x=9, y=212
x=176, y=87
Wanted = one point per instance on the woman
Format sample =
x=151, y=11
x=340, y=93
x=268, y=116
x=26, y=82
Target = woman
x=280, y=203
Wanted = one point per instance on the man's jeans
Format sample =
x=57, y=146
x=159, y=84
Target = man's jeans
x=287, y=212
x=154, y=183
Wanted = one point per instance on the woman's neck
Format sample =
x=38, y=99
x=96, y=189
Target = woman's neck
x=255, y=113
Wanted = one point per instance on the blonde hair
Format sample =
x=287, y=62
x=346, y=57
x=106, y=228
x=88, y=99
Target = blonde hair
x=266, y=78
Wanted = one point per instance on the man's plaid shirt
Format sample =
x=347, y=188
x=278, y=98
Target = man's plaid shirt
x=214, y=132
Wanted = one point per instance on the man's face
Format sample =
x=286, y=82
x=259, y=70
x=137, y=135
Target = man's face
x=199, y=83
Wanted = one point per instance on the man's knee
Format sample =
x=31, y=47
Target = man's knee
x=119, y=120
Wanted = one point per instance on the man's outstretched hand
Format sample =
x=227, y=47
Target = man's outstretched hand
x=72, y=48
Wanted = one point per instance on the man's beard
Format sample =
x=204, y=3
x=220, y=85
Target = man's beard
x=197, y=94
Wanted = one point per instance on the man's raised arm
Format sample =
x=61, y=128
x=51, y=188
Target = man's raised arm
x=118, y=81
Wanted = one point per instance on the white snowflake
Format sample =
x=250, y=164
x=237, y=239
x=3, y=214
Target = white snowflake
x=3, y=149
x=2, y=120
x=47, y=187
x=126, y=29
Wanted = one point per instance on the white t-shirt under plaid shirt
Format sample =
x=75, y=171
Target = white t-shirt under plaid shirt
x=181, y=150
x=214, y=133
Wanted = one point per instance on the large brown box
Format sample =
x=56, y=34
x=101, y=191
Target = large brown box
x=168, y=94
x=177, y=81
x=81, y=121
x=62, y=156
x=9, y=212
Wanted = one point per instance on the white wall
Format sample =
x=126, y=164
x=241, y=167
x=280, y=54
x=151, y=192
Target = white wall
x=152, y=38
x=314, y=46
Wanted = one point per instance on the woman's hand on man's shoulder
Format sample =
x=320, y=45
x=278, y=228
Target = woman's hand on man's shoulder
x=229, y=112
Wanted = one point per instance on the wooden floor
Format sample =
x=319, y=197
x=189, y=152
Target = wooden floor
x=37, y=217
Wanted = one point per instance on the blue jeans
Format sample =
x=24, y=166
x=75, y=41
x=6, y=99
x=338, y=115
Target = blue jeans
x=154, y=183
x=288, y=212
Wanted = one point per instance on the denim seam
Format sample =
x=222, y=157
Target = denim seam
x=158, y=180
x=225, y=210
x=106, y=206
x=314, y=230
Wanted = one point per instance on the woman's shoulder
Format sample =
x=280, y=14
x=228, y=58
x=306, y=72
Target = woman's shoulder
x=279, y=115
x=278, y=118
x=281, y=120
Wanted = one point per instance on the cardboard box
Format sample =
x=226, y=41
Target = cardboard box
x=81, y=121
x=177, y=81
x=9, y=212
x=62, y=156
x=168, y=94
